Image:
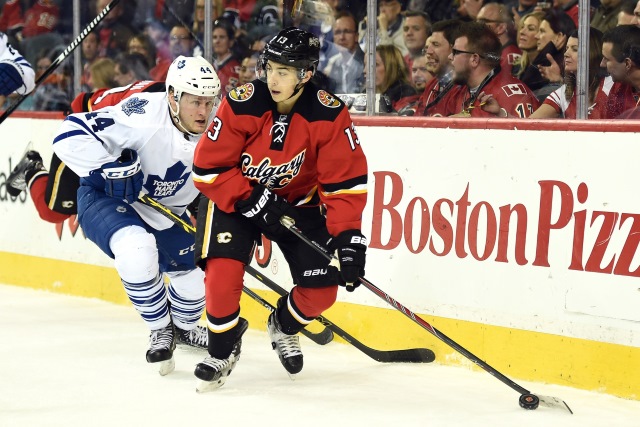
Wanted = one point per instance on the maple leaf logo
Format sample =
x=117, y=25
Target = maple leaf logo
x=174, y=179
x=134, y=105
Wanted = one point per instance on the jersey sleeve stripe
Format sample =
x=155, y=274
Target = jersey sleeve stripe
x=360, y=189
x=84, y=125
x=69, y=134
x=207, y=175
x=358, y=183
x=207, y=179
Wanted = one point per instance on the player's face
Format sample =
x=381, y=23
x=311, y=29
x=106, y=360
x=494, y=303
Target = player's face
x=571, y=56
x=281, y=80
x=616, y=70
x=195, y=111
x=461, y=62
x=420, y=75
x=527, y=34
x=437, y=51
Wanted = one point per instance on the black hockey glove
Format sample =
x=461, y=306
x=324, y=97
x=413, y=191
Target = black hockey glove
x=265, y=208
x=350, y=248
x=124, y=176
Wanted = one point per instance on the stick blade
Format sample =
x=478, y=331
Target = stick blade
x=410, y=355
x=323, y=337
x=554, y=403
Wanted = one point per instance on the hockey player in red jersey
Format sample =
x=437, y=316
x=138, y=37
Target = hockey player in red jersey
x=277, y=146
x=55, y=199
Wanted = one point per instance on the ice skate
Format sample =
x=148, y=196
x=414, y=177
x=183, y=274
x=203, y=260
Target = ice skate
x=29, y=165
x=197, y=337
x=286, y=346
x=162, y=342
x=213, y=372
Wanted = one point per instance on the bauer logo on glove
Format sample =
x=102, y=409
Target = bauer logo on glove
x=350, y=248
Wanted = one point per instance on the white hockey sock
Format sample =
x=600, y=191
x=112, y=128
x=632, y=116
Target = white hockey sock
x=186, y=295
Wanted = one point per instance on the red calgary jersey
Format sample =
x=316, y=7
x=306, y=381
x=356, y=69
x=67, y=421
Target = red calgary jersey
x=433, y=100
x=90, y=101
x=311, y=156
x=41, y=18
x=512, y=95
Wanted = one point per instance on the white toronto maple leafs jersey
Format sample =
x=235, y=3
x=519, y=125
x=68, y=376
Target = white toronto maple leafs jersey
x=86, y=141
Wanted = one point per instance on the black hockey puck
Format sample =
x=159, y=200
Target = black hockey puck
x=529, y=401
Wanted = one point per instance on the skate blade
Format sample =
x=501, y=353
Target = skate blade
x=167, y=366
x=292, y=377
x=207, y=386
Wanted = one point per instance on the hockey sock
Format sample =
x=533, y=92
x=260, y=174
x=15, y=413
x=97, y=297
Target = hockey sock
x=186, y=295
x=290, y=320
x=223, y=334
x=37, y=190
x=223, y=286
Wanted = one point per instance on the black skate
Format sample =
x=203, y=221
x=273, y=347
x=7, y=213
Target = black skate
x=197, y=337
x=213, y=372
x=287, y=347
x=24, y=171
x=162, y=342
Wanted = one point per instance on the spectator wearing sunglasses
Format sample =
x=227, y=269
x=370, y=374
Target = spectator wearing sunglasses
x=475, y=58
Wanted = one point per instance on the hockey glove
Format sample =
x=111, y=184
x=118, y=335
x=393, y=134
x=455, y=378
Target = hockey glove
x=265, y=208
x=350, y=248
x=124, y=176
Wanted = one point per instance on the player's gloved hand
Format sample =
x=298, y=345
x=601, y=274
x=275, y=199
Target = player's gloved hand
x=265, y=208
x=350, y=248
x=124, y=176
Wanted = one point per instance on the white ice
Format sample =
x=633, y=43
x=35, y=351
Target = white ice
x=69, y=361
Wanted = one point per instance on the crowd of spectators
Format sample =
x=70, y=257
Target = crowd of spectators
x=463, y=58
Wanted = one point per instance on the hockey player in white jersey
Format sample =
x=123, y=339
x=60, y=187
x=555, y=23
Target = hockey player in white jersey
x=16, y=74
x=146, y=143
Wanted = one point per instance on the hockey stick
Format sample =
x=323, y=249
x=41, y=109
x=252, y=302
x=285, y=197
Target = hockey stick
x=411, y=355
x=321, y=338
x=61, y=57
x=527, y=399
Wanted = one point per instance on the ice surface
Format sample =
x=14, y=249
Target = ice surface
x=69, y=361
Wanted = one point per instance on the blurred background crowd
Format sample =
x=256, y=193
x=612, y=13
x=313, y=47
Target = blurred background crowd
x=432, y=57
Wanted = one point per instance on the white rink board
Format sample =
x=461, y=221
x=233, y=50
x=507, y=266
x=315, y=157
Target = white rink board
x=500, y=169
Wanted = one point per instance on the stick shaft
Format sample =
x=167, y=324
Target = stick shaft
x=56, y=63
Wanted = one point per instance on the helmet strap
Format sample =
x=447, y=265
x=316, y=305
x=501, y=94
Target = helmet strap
x=175, y=115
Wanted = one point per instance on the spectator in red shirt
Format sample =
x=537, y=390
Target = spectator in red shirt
x=40, y=18
x=433, y=100
x=475, y=58
x=617, y=58
x=499, y=20
x=415, y=30
x=226, y=65
x=11, y=20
